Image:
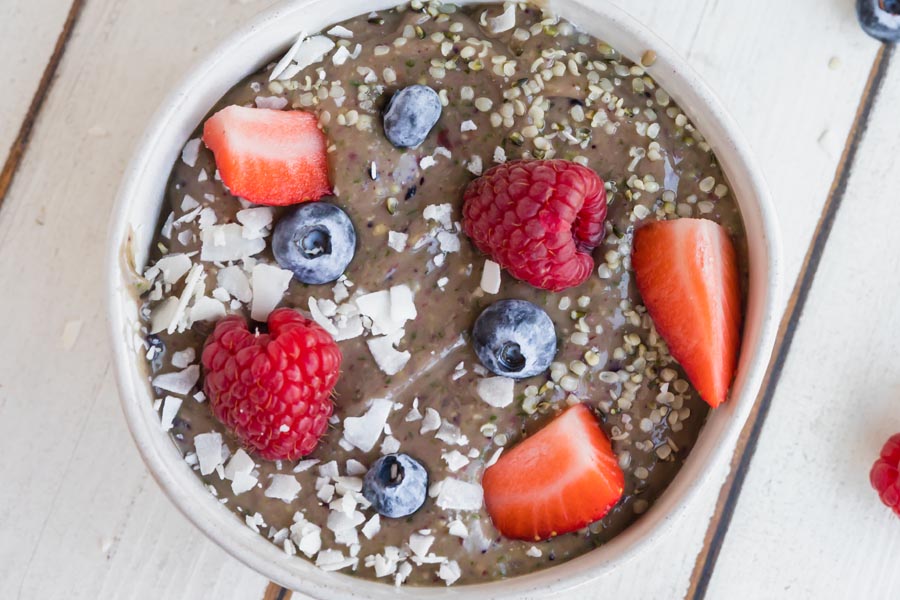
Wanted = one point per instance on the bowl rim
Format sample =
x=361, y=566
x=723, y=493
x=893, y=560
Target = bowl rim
x=222, y=526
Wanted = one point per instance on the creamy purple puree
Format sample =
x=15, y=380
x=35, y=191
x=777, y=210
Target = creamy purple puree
x=519, y=84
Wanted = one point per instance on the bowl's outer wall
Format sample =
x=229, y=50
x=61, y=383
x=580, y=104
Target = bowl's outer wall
x=135, y=219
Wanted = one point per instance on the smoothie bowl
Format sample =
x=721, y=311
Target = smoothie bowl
x=440, y=299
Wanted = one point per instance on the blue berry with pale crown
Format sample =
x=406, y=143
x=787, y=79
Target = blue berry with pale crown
x=396, y=485
x=316, y=241
x=410, y=115
x=880, y=18
x=514, y=338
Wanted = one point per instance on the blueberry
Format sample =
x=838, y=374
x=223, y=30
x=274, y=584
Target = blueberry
x=880, y=18
x=396, y=485
x=514, y=338
x=316, y=241
x=410, y=115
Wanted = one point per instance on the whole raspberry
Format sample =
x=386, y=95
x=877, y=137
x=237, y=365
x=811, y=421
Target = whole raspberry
x=272, y=390
x=885, y=474
x=538, y=219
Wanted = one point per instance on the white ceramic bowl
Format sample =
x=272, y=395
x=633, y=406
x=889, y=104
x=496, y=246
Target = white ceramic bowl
x=134, y=223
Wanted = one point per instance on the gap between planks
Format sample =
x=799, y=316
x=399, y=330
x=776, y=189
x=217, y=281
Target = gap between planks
x=23, y=137
x=276, y=592
x=746, y=447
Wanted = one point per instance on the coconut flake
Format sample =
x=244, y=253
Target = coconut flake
x=352, y=328
x=188, y=203
x=494, y=458
x=388, y=309
x=340, y=31
x=173, y=267
x=240, y=462
x=390, y=445
x=449, y=242
x=207, y=309
x=475, y=166
x=490, y=277
x=403, y=308
x=234, y=281
x=458, y=529
x=288, y=58
x=440, y=213
x=320, y=318
x=223, y=243
x=505, y=21
x=449, y=571
x=190, y=285
x=209, y=451
x=340, y=56
x=334, y=560
x=496, y=391
x=171, y=404
x=310, y=51
x=256, y=221
x=431, y=422
x=305, y=465
x=207, y=217
x=183, y=358
x=397, y=240
x=178, y=382
x=163, y=314
x=363, y=432
x=451, y=434
x=306, y=536
x=414, y=414
x=459, y=495
x=468, y=126
x=455, y=460
x=403, y=571
x=420, y=544
x=254, y=521
x=191, y=152
x=390, y=360
x=243, y=482
x=372, y=527
x=283, y=487
x=269, y=285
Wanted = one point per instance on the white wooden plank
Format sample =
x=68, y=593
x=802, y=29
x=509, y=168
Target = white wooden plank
x=808, y=525
x=28, y=34
x=86, y=485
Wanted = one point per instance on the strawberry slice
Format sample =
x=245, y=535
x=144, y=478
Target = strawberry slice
x=272, y=157
x=686, y=271
x=560, y=479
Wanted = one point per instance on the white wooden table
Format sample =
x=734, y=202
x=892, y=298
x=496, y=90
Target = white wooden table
x=793, y=517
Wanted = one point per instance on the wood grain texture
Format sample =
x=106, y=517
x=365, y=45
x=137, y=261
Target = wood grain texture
x=29, y=34
x=89, y=522
x=807, y=501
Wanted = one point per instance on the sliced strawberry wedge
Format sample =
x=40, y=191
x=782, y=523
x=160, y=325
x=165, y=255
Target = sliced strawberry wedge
x=273, y=157
x=687, y=273
x=560, y=479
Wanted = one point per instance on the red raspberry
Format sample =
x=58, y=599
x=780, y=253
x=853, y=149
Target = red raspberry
x=885, y=474
x=272, y=390
x=538, y=219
